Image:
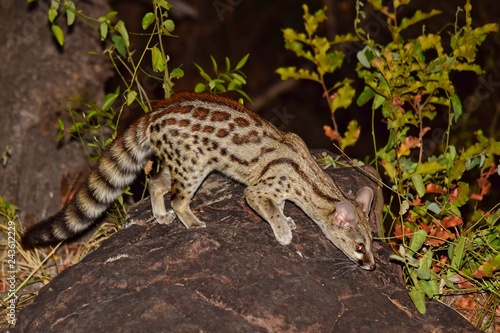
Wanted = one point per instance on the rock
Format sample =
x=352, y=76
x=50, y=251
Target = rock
x=232, y=276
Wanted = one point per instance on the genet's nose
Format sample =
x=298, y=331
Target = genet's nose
x=368, y=266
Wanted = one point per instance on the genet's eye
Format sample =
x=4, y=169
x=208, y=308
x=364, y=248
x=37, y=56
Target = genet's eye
x=360, y=248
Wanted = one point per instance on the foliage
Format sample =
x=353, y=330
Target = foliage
x=228, y=80
x=444, y=238
x=326, y=60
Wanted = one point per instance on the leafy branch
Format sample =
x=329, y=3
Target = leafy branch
x=325, y=60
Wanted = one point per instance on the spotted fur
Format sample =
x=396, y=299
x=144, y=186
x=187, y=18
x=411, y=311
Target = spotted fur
x=195, y=134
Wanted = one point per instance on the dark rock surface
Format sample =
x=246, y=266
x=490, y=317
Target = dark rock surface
x=232, y=276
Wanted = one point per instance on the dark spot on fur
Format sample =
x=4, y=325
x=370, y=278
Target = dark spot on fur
x=220, y=116
x=208, y=129
x=184, y=122
x=242, y=122
x=221, y=133
x=200, y=113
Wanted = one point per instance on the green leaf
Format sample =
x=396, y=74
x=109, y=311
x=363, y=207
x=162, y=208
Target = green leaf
x=110, y=15
x=52, y=14
x=58, y=34
x=431, y=287
x=377, y=4
x=103, y=30
x=431, y=41
x=61, y=132
x=214, y=63
x=238, y=78
x=351, y=136
x=60, y=124
x=164, y=4
x=200, y=87
x=457, y=107
x=120, y=45
x=456, y=171
x=424, y=269
x=404, y=207
x=242, y=62
x=365, y=56
x=147, y=20
x=70, y=12
x=417, y=295
x=169, y=26
x=430, y=168
x=343, y=99
x=378, y=101
x=110, y=99
x=458, y=254
x=157, y=59
x=176, y=73
x=297, y=74
x=389, y=169
x=131, y=96
x=493, y=265
x=202, y=73
x=418, y=182
x=463, y=195
x=122, y=30
x=433, y=207
x=120, y=200
x=417, y=240
x=417, y=17
x=367, y=94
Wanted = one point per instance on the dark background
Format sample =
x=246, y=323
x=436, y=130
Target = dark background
x=255, y=27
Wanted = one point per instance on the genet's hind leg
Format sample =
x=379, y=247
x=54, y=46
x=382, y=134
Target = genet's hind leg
x=183, y=189
x=159, y=185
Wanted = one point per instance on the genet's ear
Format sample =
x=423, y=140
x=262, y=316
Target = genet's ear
x=364, y=198
x=345, y=214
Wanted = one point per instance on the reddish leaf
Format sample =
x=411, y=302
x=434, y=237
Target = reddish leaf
x=480, y=273
x=487, y=269
x=434, y=242
x=438, y=236
x=397, y=101
x=452, y=222
x=453, y=195
x=423, y=131
x=433, y=188
x=331, y=134
x=475, y=196
x=411, y=142
x=399, y=232
x=485, y=187
x=417, y=202
x=444, y=234
x=427, y=228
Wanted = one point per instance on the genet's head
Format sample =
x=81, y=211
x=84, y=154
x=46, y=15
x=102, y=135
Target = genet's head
x=349, y=229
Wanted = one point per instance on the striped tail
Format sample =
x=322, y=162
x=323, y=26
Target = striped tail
x=115, y=170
